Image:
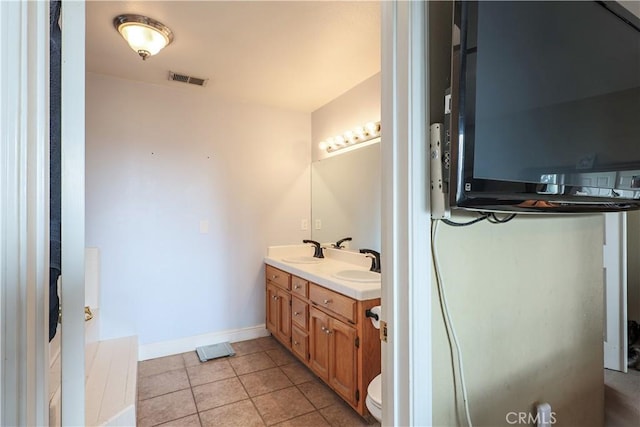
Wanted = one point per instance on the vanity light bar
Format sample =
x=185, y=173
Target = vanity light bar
x=352, y=137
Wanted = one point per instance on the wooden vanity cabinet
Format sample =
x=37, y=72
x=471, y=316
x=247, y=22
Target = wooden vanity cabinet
x=343, y=365
x=272, y=308
x=319, y=343
x=278, y=305
x=300, y=343
x=332, y=354
x=299, y=326
x=327, y=331
x=299, y=313
x=299, y=287
x=283, y=329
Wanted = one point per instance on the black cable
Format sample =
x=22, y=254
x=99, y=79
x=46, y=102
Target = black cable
x=464, y=224
x=495, y=220
x=491, y=217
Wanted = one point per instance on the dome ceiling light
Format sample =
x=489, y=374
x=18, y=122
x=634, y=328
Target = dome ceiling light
x=145, y=36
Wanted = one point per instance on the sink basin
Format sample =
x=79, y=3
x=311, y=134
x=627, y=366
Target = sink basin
x=358, y=275
x=302, y=260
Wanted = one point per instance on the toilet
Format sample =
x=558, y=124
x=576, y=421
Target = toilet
x=374, y=398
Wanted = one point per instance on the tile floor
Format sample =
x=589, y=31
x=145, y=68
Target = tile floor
x=263, y=384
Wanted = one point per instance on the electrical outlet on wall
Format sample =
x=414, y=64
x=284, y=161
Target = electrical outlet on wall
x=318, y=224
x=304, y=224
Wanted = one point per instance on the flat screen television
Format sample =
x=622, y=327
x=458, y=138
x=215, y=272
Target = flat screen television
x=545, y=107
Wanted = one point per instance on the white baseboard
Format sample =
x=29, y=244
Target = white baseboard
x=182, y=345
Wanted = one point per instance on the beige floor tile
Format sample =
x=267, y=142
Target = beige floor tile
x=240, y=414
x=219, y=393
x=160, y=365
x=158, y=384
x=319, y=394
x=190, y=421
x=221, y=390
x=342, y=414
x=266, y=381
x=165, y=408
x=282, y=405
x=242, y=348
x=210, y=371
x=268, y=343
x=281, y=356
x=298, y=373
x=251, y=363
x=314, y=419
x=191, y=359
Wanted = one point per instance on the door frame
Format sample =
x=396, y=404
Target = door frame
x=615, y=291
x=406, y=216
x=406, y=240
x=24, y=216
x=72, y=293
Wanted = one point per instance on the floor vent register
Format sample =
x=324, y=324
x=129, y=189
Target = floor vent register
x=214, y=351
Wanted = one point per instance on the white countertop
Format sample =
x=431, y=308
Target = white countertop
x=322, y=272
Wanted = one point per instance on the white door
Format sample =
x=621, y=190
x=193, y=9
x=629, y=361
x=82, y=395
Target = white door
x=615, y=291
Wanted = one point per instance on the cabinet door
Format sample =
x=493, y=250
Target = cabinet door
x=284, y=317
x=342, y=360
x=300, y=343
x=319, y=343
x=272, y=309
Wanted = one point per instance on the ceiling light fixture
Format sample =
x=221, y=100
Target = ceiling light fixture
x=145, y=36
x=351, y=138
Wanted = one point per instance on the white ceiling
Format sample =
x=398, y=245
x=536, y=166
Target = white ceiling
x=295, y=55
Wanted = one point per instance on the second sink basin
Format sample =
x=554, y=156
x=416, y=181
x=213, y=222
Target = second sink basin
x=302, y=260
x=357, y=275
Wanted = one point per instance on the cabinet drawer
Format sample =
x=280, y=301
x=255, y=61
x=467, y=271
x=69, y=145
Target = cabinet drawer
x=333, y=301
x=278, y=277
x=299, y=286
x=299, y=312
x=300, y=343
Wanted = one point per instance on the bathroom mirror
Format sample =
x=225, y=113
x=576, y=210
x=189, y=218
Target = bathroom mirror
x=345, y=198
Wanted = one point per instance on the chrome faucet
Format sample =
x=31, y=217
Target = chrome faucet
x=318, y=251
x=375, y=259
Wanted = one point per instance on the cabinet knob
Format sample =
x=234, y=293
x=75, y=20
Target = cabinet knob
x=327, y=301
x=327, y=331
x=295, y=313
x=296, y=286
x=296, y=343
x=275, y=297
x=275, y=276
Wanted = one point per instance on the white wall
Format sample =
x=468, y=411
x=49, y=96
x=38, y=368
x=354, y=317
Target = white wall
x=160, y=161
x=633, y=266
x=526, y=300
x=356, y=107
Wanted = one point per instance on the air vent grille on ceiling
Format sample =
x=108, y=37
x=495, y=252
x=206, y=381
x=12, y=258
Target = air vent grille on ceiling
x=187, y=79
